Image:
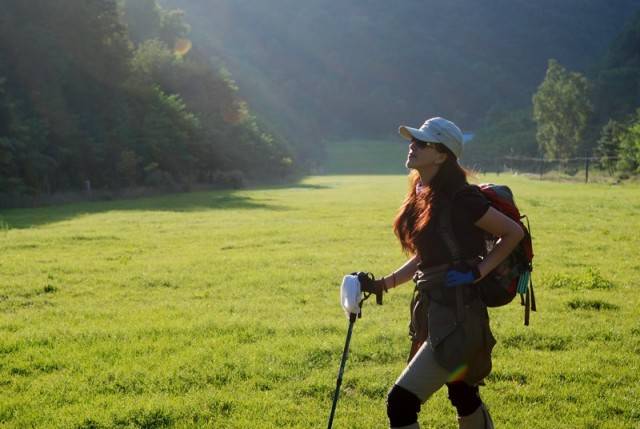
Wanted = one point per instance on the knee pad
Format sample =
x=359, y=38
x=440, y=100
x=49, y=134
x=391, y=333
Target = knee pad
x=464, y=397
x=402, y=407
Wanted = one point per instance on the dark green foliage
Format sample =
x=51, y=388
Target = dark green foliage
x=590, y=304
x=217, y=132
x=609, y=144
x=619, y=145
x=629, y=150
x=94, y=96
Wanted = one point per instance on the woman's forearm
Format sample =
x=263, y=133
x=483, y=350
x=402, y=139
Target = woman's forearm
x=510, y=233
x=499, y=253
x=402, y=274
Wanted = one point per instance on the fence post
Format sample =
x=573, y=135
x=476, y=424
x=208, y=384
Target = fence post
x=541, y=166
x=586, y=170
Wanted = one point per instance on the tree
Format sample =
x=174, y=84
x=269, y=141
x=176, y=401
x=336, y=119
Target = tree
x=629, y=152
x=561, y=109
x=609, y=144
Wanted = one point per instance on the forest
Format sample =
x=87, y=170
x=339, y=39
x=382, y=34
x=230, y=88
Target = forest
x=103, y=94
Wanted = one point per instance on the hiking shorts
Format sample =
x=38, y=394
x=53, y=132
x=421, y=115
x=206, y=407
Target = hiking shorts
x=423, y=376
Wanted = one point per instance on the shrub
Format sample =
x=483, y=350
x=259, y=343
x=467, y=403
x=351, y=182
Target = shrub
x=234, y=179
x=592, y=279
x=586, y=304
x=49, y=288
x=159, y=179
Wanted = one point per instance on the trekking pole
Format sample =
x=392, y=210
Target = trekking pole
x=352, y=320
x=352, y=295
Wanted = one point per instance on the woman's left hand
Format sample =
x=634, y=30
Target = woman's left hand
x=458, y=277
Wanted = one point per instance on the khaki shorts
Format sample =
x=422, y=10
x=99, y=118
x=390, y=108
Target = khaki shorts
x=423, y=376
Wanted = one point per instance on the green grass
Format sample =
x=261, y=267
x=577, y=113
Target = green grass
x=220, y=309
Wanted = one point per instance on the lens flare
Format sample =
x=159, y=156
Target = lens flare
x=182, y=47
x=458, y=374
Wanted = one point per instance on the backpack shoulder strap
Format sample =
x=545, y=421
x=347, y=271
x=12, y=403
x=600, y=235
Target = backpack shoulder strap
x=445, y=225
x=445, y=228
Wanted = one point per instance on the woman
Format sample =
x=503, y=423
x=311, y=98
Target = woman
x=442, y=223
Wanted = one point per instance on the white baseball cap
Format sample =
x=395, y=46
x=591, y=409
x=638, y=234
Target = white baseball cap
x=436, y=130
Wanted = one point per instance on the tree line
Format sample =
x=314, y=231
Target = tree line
x=114, y=93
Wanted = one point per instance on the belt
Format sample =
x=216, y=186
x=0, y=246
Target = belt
x=431, y=277
x=430, y=283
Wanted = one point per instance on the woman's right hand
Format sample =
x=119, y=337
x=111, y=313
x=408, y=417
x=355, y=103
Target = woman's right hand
x=369, y=285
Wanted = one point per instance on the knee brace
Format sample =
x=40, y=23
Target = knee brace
x=402, y=407
x=464, y=397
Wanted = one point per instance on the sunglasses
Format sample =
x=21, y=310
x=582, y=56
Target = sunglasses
x=422, y=144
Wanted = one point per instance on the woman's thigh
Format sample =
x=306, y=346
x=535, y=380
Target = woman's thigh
x=423, y=376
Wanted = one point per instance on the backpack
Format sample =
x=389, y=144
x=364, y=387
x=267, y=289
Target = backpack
x=513, y=275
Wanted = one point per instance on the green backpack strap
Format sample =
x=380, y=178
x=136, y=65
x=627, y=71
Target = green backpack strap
x=527, y=296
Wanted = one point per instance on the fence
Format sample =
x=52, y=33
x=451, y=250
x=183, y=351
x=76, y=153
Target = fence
x=568, y=167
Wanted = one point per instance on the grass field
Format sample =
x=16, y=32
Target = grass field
x=220, y=309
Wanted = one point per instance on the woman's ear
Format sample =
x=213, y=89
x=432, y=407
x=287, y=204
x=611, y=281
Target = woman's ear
x=441, y=158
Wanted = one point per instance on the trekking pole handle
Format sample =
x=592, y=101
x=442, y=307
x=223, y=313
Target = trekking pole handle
x=379, y=297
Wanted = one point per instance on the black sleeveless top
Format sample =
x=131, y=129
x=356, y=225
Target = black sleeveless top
x=469, y=205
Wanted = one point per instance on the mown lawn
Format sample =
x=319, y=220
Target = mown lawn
x=220, y=309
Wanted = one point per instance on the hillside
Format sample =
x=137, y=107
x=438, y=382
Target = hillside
x=323, y=69
x=618, y=74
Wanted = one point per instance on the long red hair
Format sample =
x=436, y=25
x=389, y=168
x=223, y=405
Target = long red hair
x=418, y=207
